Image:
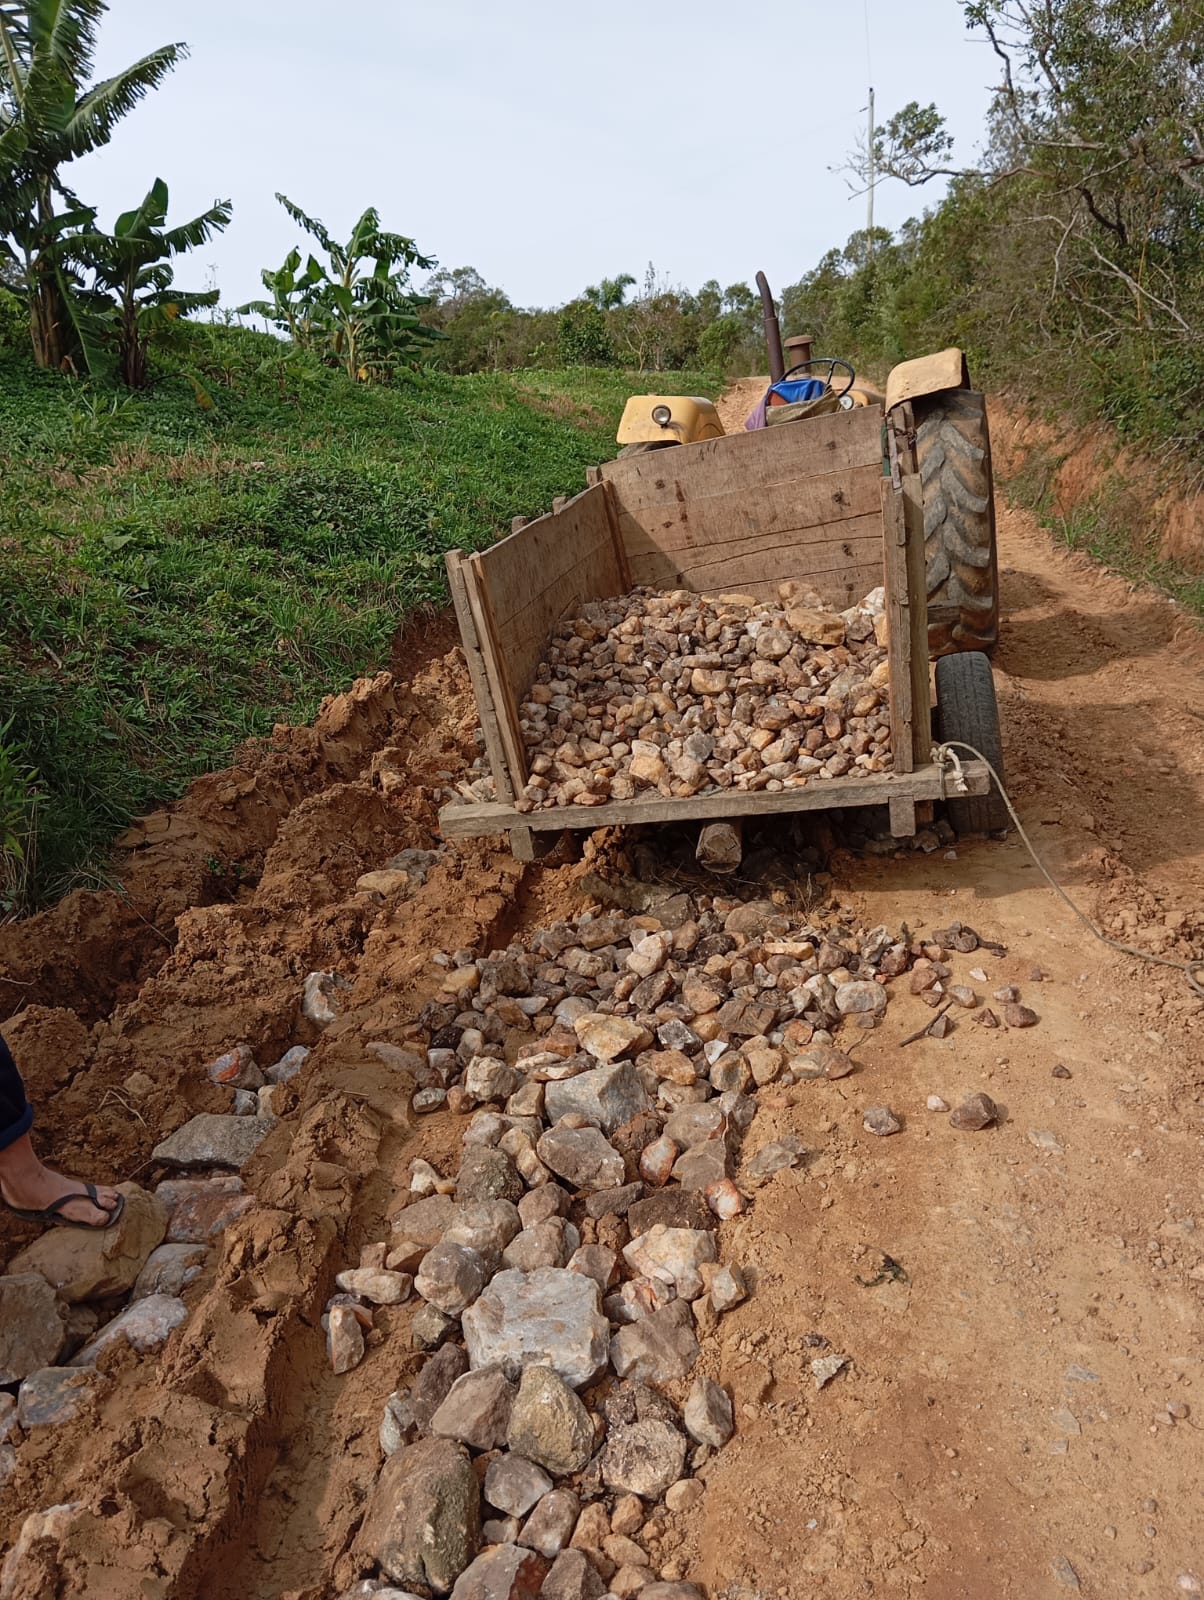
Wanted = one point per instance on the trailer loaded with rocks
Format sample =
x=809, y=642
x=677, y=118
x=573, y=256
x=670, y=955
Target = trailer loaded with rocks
x=730, y=628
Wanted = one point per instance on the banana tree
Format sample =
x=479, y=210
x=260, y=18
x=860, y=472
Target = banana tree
x=132, y=274
x=358, y=308
x=48, y=118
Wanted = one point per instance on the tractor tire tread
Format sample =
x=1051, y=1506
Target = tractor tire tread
x=953, y=452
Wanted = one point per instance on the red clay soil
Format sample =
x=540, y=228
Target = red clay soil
x=1002, y=1427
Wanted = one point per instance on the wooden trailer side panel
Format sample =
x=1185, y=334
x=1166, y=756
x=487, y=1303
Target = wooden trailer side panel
x=518, y=590
x=751, y=511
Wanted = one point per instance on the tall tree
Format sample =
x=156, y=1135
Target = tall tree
x=49, y=116
x=132, y=274
x=357, y=308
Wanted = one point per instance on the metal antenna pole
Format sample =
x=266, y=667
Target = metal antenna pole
x=869, y=224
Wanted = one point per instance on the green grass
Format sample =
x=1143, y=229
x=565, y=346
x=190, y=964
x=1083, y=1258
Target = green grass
x=1110, y=526
x=181, y=569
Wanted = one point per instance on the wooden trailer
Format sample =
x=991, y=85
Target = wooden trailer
x=833, y=501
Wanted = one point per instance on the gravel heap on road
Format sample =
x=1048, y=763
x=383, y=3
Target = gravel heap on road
x=570, y=1266
x=681, y=693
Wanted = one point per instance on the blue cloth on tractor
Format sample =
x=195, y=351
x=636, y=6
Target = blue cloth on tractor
x=795, y=389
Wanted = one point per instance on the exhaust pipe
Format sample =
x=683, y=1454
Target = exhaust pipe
x=773, y=333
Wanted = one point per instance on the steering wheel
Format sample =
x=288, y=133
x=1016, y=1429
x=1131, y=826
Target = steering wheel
x=830, y=365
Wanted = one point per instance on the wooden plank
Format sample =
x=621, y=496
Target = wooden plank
x=902, y=816
x=749, y=461
x=544, y=572
x=898, y=620
x=875, y=789
x=842, y=561
x=921, y=683
x=492, y=652
x=528, y=846
x=476, y=671
x=719, y=523
x=612, y=517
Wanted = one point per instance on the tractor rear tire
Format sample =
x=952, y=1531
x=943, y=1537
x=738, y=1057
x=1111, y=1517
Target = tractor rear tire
x=643, y=448
x=967, y=713
x=953, y=449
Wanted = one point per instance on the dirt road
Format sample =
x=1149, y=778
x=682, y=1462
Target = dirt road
x=1002, y=1429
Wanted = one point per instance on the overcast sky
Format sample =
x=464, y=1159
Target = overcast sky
x=546, y=142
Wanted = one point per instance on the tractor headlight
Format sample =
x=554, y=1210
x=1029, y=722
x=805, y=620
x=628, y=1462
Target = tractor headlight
x=847, y=402
x=662, y=416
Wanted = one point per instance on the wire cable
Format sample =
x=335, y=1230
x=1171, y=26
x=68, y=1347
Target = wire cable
x=945, y=758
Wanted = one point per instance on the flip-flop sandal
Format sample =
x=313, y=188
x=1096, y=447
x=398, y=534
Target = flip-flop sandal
x=53, y=1212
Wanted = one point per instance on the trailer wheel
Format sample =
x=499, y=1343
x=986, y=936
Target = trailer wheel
x=966, y=710
x=953, y=448
x=645, y=445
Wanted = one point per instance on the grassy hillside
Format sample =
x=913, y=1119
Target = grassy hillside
x=181, y=569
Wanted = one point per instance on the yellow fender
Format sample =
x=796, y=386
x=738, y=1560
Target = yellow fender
x=690, y=419
x=927, y=375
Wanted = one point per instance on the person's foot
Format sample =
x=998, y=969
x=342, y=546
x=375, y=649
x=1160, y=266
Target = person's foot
x=35, y=1190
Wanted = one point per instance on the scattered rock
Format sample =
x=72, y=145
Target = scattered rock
x=572, y=1578
x=487, y=1174
x=881, y=1120
x=321, y=996
x=513, y=1484
x=1061, y=1072
x=431, y=1386
x=53, y=1395
x=728, y=1288
x=503, y=1572
x=1018, y=1016
x=549, y=1424
x=606, y=1038
x=344, y=1339
x=451, y=1277
x=289, y=1065
x=583, y=1157
x=550, y=1317
x=643, y=1458
x=1047, y=1141
x=376, y=1285
x=771, y=1159
x=672, y=1207
x=708, y=1413
x=672, y=1255
x=426, y=1221
x=31, y=1326
x=724, y=1199
x=430, y=1327
x=236, y=1069
x=659, y=1348
x=979, y=1111
x=201, y=1208
x=550, y=1526
x=598, y=1262
x=684, y=1494
x=145, y=1324
x=825, y=1368
x=607, y=1096
x=169, y=1270
x=861, y=999
x=213, y=1140
x=935, y=1103
x=476, y=1410
x=423, y=1520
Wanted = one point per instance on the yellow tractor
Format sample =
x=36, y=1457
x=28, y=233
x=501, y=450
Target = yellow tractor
x=953, y=451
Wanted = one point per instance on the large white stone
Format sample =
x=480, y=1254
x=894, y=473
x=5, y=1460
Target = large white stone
x=607, y=1097
x=551, y=1317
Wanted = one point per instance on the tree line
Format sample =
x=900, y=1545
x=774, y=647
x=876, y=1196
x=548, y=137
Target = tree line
x=1068, y=261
